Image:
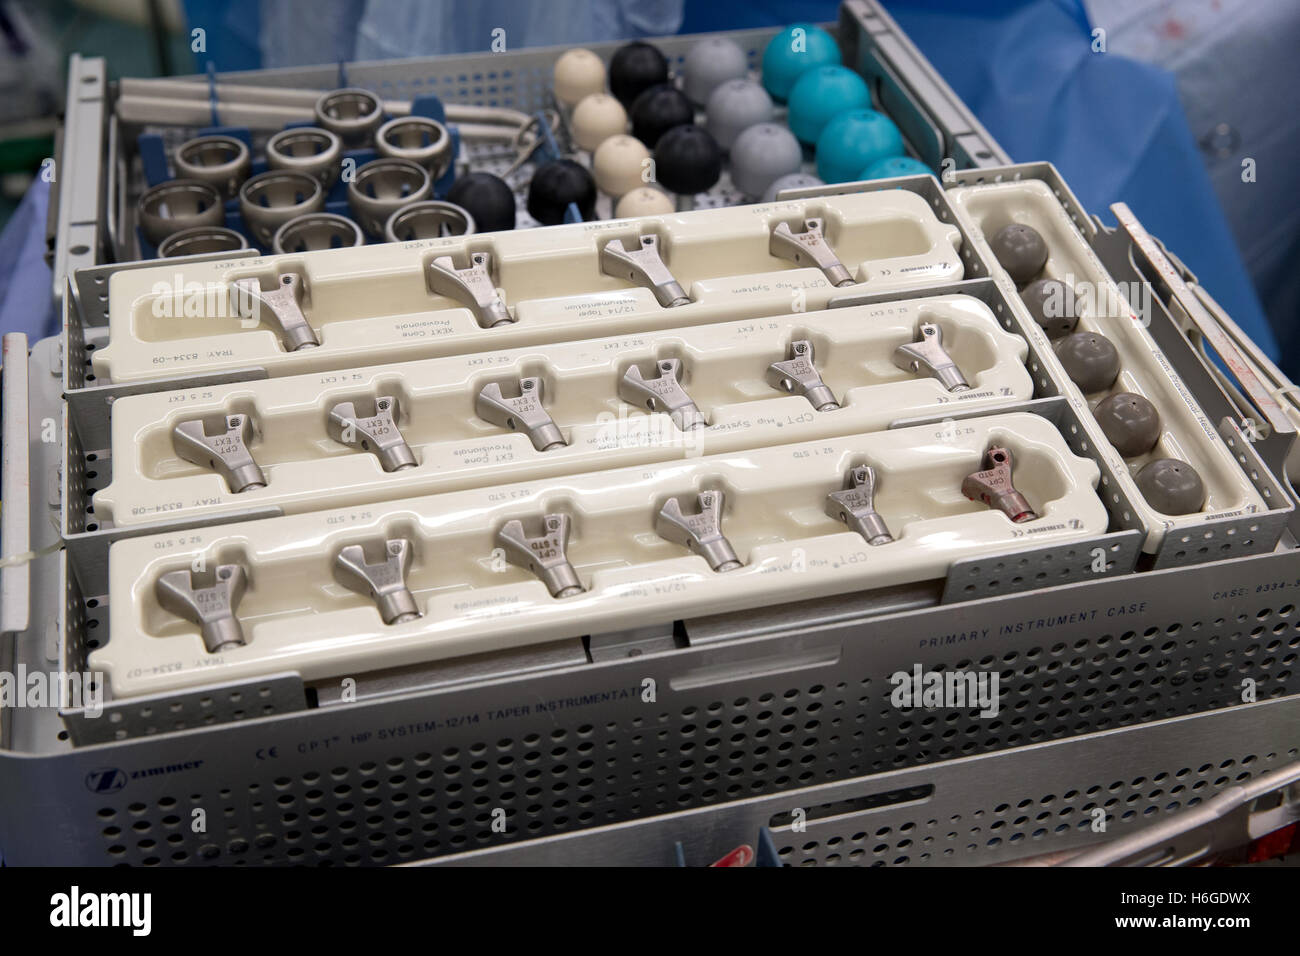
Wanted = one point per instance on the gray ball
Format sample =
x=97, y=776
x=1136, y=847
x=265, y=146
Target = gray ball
x=1051, y=303
x=735, y=106
x=1020, y=250
x=761, y=155
x=710, y=63
x=1171, y=486
x=792, y=181
x=1090, y=359
x=1130, y=422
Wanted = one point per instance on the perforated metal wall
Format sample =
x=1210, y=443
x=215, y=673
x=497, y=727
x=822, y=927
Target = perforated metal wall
x=803, y=706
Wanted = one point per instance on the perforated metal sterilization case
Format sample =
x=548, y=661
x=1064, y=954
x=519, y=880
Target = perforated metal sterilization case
x=1140, y=685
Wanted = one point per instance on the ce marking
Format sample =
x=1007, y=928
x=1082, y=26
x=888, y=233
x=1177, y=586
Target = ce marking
x=267, y=753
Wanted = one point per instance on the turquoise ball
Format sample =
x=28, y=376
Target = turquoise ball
x=820, y=95
x=895, y=166
x=789, y=55
x=853, y=140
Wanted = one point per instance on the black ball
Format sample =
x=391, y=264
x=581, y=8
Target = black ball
x=687, y=160
x=634, y=68
x=557, y=184
x=658, y=110
x=487, y=198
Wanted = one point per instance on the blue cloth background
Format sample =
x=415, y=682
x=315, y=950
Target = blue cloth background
x=1112, y=126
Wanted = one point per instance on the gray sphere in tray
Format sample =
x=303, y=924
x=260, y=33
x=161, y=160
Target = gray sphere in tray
x=1020, y=250
x=1090, y=359
x=761, y=155
x=710, y=62
x=1051, y=302
x=734, y=107
x=1130, y=422
x=792, y=181
x=1171, y=486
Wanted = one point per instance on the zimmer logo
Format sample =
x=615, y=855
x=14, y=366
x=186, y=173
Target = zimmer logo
x=105, y=780
x=951, y=690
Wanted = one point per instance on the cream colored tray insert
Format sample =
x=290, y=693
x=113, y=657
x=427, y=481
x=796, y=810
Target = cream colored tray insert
x=373, y=304
x=296, y=618
x=724, y=367
x=1186, y=433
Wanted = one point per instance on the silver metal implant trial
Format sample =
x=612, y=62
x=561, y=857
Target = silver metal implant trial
x=799, y=376
x=473, y=285
x=809, y=247
x=927, y=356
x=208, y=599
x=523, y=412
x=663, y=393
x=701, y=532
x=284, y=303
x=371, y=425
x=855, y=506
x=543, y=553
x=220, y=442
x=640, y=263
x=378, y=569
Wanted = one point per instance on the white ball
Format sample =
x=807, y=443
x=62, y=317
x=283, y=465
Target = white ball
x=618, y=164
x=598, y=117
x=578, y=73
x=644, y=201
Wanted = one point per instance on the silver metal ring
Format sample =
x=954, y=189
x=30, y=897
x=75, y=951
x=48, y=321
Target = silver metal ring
x=307, y=149
x=223, y=161
x=351, y=114
x=382, y=187
x=417, y=138
x=317, y=230
x=430, y=219
x=179, y=204
x=201, y=239
x=270, y=199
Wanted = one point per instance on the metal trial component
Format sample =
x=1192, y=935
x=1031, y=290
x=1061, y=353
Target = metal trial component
x=523, y=412
x=417, y=138
x=472, y=285
x=350, y=114
x=543, y=554
x=208, y=599
x=270, y=199
x=372, y=428
x=799, y=376
x=926, y=356
x=220, y=442
x=701, y=532
x=383, y=186
x=993, y=486
x=855, y=506
x=378, y=569
x=429, y=219
x=642, y=265
x=809, y=246
x=220, y=161
x=284, y=303
x=316, y=152
x=663, y=393
x=201, y=239
x=176, y=205
x=317, y=230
